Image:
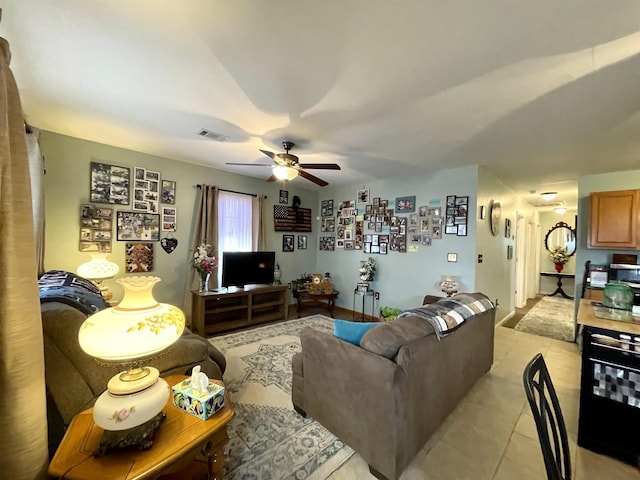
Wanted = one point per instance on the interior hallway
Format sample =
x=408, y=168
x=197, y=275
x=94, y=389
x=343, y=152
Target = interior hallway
x=491, y=435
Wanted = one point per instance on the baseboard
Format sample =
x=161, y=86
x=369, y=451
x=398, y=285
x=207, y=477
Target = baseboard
x=505, y=319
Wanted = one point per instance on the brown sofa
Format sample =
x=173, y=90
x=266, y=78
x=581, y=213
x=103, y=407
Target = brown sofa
x=387, y=396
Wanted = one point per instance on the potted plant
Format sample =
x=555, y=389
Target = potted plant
x=389, y=313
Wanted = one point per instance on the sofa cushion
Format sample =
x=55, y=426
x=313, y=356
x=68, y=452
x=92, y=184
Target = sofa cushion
x=387, y=338
x=352, y=332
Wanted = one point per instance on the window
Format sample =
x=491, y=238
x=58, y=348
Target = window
x=234, y=225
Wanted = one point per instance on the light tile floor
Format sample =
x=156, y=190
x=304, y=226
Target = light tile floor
x=492, y=435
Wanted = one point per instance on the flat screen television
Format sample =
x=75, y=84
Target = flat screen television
x=247, y=268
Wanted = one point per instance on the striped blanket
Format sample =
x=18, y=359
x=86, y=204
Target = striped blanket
x=447, y=314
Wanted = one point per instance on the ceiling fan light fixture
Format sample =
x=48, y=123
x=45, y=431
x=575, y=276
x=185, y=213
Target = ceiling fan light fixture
x=549, y=195
x=285, y=173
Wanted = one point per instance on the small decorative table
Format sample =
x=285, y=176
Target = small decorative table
x=308, y=300
x=183, y=447
x=559, y=276
x=364, y=295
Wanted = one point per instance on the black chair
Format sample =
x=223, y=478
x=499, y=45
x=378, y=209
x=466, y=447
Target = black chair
x=548, y=417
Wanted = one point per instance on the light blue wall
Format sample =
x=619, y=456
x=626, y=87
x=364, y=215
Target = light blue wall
x=598, y=183
x=403, y=279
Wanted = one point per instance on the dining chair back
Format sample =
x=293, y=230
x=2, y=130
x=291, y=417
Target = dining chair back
x=547, y=414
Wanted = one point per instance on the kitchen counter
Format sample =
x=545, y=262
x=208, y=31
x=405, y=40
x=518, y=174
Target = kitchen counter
x=617, y=320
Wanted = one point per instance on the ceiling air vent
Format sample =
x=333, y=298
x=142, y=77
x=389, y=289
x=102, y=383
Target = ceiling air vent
x=218, y=137
x=548, y=204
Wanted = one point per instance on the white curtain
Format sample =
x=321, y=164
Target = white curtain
x=23, y=417
x=234, y=225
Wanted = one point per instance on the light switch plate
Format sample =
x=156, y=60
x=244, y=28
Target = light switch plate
x=452, y=257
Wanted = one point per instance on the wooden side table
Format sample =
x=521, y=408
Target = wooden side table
x=181, y=441
x=322, y=300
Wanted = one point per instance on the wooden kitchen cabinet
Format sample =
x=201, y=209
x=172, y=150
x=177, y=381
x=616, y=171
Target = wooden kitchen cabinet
x=614, y=219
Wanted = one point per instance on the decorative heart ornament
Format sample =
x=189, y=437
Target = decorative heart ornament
x=169, y=244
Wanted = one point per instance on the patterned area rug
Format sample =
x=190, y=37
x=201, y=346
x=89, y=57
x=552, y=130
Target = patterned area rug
x=267, y=438
x=550, y=317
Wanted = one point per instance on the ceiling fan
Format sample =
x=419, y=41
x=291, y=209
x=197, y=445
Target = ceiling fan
x=286, y=166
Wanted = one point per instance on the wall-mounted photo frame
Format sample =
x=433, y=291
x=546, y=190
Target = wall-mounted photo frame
x=287, y=243
x=302, y=242
x=363, y=196
x=168, y=192
x=327, y=244
x=507, y=228
x=328, y=224
x=138, y=226
x=169, y=219
x=326, y=208
x=146, y=190
x=509, y=252
x=139, y=257
x=95, y=228
x=406, y=204
x=284, y=197
x=109, y=184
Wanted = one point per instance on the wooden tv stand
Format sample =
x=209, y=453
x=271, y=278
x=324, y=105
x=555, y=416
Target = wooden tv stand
x=232, y=308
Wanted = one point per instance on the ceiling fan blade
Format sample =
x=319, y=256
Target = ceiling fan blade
x=316, y=180
x=272, y=178
x=269, y=154
x=251, y=164
x=321, y=166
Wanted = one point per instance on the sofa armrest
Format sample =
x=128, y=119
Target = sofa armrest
x=355, y=394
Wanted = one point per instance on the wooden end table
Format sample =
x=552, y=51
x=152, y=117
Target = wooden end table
x=308, y=300
x=180, y=445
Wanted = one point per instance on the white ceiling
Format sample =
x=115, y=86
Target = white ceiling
x=538, y=92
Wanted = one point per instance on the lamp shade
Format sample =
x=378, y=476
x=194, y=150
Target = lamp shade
x=98, y=267
x=285, y=173
x=138, y=327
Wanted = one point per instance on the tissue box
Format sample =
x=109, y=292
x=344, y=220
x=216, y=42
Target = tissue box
x=199, y=404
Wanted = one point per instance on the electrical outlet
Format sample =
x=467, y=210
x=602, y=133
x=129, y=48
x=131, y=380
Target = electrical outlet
x=377, y=295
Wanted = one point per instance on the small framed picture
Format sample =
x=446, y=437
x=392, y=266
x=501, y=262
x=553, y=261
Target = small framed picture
x=168, y=194
x=363, y=196
x=406, y=204
x=287, y=243
x=507, y=228
x=302, y=242
x=284, y=196
x=509, y=252
x=362, y=287
x=168, y=220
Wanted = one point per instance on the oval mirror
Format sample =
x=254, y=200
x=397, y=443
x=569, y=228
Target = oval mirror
x=561, y=235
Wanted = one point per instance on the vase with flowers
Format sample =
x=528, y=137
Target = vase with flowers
x=559, y=256
x=205, y=264
x=367, y=270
